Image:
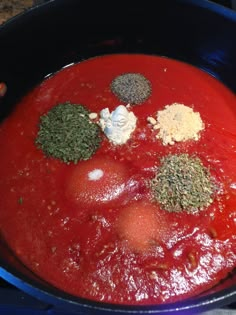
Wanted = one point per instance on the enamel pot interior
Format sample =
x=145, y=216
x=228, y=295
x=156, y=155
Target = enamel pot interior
x=44, y=39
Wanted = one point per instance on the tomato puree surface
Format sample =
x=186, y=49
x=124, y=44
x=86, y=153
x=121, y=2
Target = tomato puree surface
x=105, y=239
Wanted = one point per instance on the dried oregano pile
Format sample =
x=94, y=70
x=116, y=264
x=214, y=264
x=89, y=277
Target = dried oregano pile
x=67, y=133
x=182, y=183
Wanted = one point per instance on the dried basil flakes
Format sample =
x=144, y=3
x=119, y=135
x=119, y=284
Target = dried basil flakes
x=67, y=133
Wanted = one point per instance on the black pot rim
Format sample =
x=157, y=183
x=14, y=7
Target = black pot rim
x=58, y=298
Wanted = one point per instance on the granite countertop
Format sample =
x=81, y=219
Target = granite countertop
x=10, y=8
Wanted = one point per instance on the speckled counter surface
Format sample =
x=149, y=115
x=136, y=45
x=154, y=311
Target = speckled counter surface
x=10, y=8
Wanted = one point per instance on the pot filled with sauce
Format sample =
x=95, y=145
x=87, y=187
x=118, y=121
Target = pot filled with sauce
x=118, y=155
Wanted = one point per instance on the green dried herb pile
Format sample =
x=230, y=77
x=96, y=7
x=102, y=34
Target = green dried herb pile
x=67, y=133
x=182, y=183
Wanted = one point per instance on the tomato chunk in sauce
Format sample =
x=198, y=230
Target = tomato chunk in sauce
x=100, y=183
x=94, y=222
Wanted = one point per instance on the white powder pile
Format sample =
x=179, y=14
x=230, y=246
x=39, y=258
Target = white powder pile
x=176, y=123
x=117, y=125
x=96, y=174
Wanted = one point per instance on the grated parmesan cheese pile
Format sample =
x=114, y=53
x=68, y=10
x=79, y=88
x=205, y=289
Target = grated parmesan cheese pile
x=176, y=123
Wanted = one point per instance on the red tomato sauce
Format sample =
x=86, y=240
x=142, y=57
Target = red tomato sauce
x=106, y=240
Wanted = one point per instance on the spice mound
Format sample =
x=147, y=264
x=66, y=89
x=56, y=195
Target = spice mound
x=183, y=183
x=131, y=88
x=176, y=123
x=67, y=133
x=118, y=125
